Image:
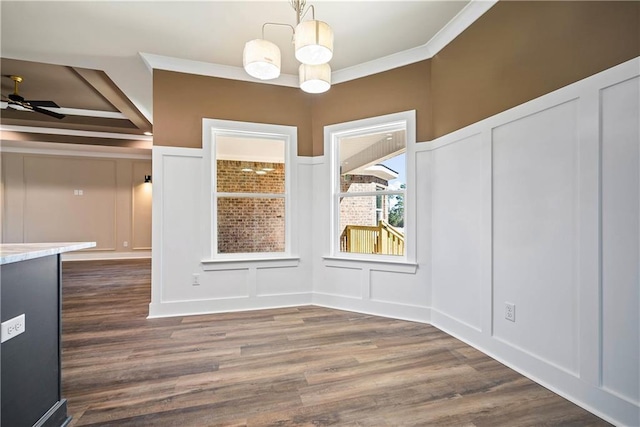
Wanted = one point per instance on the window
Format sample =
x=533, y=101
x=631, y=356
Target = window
x=251, y=208
x=250, y=194
x=369, y=171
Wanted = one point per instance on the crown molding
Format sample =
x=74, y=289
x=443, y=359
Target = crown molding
x=467, y=16
x=379, y=65
x=160, y=62
x=463, y=20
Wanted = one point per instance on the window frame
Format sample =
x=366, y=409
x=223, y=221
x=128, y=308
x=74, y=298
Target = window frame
x=333, y=135
x=212, y=129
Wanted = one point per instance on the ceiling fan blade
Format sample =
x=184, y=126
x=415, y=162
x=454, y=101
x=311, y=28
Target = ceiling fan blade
x=48, y=113
x=49, y=104
x=19, y=106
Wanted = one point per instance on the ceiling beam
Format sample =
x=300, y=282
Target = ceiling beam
x=104, y=86
x=9, y=135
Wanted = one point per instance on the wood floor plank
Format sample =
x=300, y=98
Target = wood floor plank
x=295, y=366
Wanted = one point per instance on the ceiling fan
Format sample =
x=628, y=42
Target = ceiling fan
x=17, y=102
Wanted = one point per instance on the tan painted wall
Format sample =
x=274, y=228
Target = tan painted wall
x=140, y=206
x=520, y=50
x=401, y=89
x=515, y=52
x=181, y=101
x=39, y=204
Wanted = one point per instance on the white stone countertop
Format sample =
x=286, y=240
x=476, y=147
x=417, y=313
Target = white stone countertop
x=14, y=252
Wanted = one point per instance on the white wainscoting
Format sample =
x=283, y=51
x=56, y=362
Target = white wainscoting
x=180, y=245
x=539, y=206
x=536, y=210
x=456, y=238
x=620, y=229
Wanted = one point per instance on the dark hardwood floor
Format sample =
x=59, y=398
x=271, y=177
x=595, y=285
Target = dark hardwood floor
x=303, y=366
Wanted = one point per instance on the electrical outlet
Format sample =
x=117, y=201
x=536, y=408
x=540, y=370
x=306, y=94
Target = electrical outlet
x=125, y=244
x=510, y=311
x=12, y=328
x=196, y=279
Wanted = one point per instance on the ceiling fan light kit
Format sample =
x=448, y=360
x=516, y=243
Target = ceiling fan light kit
x=313, y=42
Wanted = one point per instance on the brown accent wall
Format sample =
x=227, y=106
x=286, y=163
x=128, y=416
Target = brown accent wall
x=401, y=89
x=181, y=101
x=517, y=51
x=520, y=50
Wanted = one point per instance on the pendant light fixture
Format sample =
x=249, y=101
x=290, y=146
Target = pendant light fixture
x=261, y=59
x=315, y=78
x=313, y=42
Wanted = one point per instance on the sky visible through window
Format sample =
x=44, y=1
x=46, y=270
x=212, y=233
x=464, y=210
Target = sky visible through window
x=398, y=164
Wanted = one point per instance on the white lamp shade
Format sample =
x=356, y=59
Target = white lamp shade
x=315, y=78
x=261, y=59
x=314, y=42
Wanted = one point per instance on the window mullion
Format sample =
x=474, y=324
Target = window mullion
x=252, y=195
x=373, y=193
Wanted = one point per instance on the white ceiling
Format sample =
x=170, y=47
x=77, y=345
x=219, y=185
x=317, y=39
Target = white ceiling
x=110, y=35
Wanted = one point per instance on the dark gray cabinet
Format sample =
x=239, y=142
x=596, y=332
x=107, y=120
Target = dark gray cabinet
x=30, y=375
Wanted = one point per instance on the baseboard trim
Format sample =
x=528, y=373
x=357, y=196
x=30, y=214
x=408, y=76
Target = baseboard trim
x=226, y=305
x=575, y=390
x=411, y=313
x=104, y=256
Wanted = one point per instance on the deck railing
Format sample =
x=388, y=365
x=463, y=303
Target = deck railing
x=380, y=239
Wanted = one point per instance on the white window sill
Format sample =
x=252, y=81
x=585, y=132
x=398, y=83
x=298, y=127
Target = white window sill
x=371, y=264
x=247, y=263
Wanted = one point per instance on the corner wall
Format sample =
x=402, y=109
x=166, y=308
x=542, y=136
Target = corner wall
x=474, y=208
x=539, y=207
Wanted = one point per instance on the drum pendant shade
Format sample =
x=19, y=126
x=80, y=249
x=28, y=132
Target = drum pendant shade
x=315, y=78
x=313, y=42
x=261, y=59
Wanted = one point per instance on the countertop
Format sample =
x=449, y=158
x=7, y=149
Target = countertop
x=14, y=252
